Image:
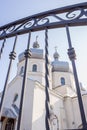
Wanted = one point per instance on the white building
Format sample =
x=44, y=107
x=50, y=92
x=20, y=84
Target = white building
x=64, y=111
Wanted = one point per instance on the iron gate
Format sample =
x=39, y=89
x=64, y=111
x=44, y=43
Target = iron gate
x=42, y=21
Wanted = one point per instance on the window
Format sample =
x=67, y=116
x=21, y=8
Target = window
x=15, y=97
x=62, y=81
x=22, y=70
x=34, y=68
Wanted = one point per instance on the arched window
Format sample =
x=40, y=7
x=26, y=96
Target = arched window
x=34, y=68
x=21, y=70
x=15, y=97
x=62, y=81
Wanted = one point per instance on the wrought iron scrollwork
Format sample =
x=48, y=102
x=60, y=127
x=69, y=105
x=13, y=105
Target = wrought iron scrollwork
x=11, y=29
x=29, y=24
x=43, y=21
x=74, y=15
x=51, y=19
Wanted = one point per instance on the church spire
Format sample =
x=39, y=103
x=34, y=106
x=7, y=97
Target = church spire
x=35, y=44
x=56, y=55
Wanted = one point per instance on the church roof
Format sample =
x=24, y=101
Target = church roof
x=35, y=53
x=60, y=66
x=7, y=112
x=38, y=53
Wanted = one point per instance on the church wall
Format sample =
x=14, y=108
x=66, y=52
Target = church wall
x=39, y=63
x=65, y=91
x=69, y=111
x=58, y=108
x=40, y=74
x=73, y=111
x=13, y=88
x=19, y=65
x=84, y=97
x=56, y=76
x=26, y=122
x=72, y=81
x=37, y=76
x=77, y=110
x=39, y=109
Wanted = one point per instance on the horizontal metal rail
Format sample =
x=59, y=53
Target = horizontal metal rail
x=75, y=15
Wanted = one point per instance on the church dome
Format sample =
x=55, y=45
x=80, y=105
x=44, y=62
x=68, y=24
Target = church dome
x=59, y=65
x=35, y=52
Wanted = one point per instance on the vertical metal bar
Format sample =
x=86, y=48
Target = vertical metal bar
x=27, y=56
x=47, y=101
x=3, y=44
x=12, y=57
x=72, y=56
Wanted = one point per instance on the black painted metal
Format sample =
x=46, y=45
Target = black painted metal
x=40, y=21
x=72, y=56
x=27, y=55
x=47, y=101
x=12, y=57
x=3, y=44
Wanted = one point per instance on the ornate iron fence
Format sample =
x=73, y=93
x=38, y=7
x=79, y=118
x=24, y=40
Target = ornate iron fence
x=75, y=15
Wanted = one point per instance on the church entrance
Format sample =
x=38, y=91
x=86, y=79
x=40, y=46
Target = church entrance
x=9, y=124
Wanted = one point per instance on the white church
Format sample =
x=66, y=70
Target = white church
x=64, y=110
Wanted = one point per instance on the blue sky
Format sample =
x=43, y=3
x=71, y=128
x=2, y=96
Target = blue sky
x=14, y=10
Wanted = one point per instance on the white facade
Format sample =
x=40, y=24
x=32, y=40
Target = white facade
x=64, y=112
